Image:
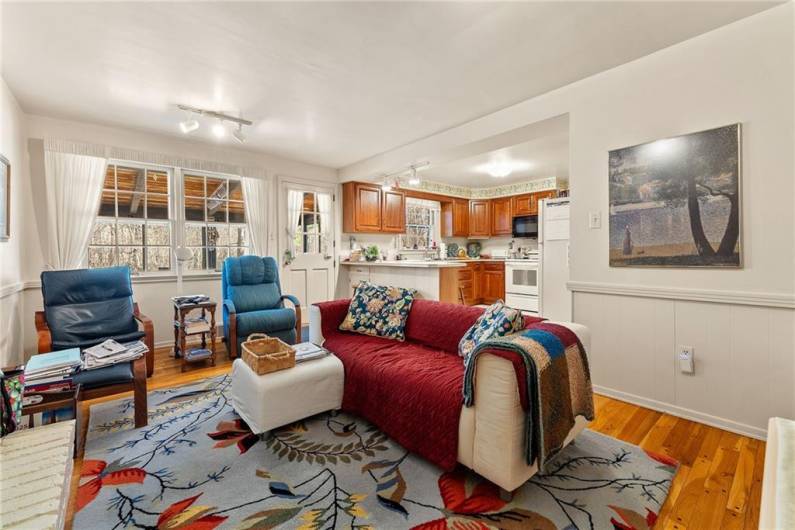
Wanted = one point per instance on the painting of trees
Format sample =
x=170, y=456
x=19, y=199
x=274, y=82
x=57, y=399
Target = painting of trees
x=676, y=201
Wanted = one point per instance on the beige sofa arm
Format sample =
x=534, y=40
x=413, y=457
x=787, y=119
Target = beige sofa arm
x=491, y=432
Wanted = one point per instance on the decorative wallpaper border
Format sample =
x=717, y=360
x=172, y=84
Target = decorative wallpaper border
x=549, y=183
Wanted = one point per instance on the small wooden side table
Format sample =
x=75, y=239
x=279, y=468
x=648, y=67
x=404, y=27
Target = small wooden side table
x=181, y=332
x=54, y=401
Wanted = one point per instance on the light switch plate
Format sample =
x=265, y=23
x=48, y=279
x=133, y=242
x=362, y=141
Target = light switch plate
x=687, y=361
x=595, y=220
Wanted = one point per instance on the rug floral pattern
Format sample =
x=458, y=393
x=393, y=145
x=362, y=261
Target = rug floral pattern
x=198, y=466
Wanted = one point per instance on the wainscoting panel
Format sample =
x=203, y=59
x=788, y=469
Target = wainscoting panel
x=745, y=357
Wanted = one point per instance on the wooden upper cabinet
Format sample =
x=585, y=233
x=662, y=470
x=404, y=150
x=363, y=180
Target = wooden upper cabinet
x=479, y=218
x=501, y=218
x=361, y=207
x=527, y=204
x=523, y=204
x=460, y=218
x=393, y=212
x=549, y=194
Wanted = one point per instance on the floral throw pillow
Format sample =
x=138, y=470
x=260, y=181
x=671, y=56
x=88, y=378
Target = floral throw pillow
x=496, y=321
x=379, y=310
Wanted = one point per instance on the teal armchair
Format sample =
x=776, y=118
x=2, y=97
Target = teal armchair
x=253, y=302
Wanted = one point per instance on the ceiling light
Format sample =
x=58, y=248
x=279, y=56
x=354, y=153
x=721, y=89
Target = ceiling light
x=219, y=130
x=238, y=133
x=188, y=126
x=414, y=180
x=499, y=169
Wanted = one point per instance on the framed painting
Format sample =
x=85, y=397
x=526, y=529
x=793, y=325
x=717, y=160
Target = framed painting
x=5, y=199
x=675, y=202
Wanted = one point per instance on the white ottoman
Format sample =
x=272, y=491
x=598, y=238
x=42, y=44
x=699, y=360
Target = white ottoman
x=279, y=398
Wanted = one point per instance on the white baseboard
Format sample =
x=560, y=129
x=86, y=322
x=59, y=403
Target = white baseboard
x=681, y=412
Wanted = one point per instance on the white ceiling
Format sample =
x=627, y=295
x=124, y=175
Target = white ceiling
x=329, y=83
x=543, y=157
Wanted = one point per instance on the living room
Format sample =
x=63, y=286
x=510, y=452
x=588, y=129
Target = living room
x=343, y=179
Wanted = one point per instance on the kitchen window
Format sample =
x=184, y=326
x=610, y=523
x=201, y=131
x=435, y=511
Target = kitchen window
x=422, y=224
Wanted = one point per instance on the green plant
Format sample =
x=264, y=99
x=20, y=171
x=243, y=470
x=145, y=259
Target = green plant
x=371, y=253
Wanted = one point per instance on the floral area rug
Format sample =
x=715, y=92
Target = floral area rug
x=198, y=466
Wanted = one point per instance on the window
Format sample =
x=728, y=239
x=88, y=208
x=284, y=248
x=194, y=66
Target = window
x=311, y=221
x=215, y=219
x=133, y=226
x=422, y=224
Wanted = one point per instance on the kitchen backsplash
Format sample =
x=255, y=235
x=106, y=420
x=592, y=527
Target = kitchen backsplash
x=386, y=242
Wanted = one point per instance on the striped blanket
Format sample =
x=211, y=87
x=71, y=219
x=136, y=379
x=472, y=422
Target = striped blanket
x=558, y=384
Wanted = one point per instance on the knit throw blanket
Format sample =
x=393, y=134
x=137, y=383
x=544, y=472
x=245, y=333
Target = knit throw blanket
x=558, y=384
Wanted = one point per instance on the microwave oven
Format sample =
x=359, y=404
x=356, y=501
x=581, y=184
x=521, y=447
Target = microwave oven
x=525, y=226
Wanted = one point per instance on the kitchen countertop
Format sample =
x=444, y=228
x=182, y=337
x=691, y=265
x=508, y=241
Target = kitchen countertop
x=417, y=264
x=431, y=264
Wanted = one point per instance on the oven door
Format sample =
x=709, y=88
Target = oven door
x=521, y=278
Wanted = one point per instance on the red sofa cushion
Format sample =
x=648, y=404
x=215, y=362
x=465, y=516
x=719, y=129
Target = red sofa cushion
x=439, y=324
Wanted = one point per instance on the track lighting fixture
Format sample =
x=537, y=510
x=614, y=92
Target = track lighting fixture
x=188, y=126
x=414, y=180
x=219, y=129
x=238, y=135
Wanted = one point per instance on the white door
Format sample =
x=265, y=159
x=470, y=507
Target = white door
x=307, y=243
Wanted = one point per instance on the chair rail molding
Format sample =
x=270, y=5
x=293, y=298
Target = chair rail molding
x=11, y=289
x=759, y=299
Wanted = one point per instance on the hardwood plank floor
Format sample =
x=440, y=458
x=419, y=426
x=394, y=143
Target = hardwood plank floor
x=719, y=483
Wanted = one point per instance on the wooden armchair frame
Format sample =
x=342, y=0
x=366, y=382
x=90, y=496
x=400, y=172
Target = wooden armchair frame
x=232, y=346
x=142, y=367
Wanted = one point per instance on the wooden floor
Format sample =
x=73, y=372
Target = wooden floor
x=718, y=485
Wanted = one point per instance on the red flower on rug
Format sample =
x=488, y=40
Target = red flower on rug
x=183, y=515
x=663, y=459
x=234, y=432
x=632, y=520
x=104, y=474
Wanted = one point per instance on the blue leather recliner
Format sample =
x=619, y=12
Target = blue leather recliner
x=253, y=302
x=85, y=307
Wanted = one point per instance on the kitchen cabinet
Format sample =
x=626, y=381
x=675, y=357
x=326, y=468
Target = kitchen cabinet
x=492, y=284
x=369, y=209
x=479, y=218
x=455, y=218
x=501, y=218
x=393, y=212
x=527, y=203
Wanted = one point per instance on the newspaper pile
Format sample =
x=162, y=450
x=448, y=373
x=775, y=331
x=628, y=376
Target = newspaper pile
x=111, y=352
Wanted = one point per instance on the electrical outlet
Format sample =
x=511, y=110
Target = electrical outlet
x=687, y=360
x=595, y=220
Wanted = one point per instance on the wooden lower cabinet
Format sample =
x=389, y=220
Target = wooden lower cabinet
x=477, y=283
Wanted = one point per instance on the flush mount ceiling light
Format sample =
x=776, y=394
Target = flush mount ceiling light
x=219, y=129
x=502, y=168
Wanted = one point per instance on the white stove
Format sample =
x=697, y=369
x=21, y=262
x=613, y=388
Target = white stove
x=521, y=283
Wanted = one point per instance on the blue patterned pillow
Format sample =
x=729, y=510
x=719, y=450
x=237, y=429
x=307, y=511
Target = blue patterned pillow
x=496, y=321
x=379, y=310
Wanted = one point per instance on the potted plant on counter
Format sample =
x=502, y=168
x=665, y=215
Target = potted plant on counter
x=371, y=253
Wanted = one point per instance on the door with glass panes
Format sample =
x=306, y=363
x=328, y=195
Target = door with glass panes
x=307, y=248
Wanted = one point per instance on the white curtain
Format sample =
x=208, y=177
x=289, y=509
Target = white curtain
x=73, y=186
x=255, y=195
x=324, y=209
x=295, y=204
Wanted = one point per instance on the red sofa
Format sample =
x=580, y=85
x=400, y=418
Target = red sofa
x=412, y=390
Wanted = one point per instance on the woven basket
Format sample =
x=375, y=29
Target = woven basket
x=266, y=354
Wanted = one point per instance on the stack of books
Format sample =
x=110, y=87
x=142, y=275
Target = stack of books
x=196, y=324
x=111, y=352
x=306, y=351
x=52, y=372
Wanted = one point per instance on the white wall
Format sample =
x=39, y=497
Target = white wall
x=745, y=371
x=152, y=296
x=12, y=137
